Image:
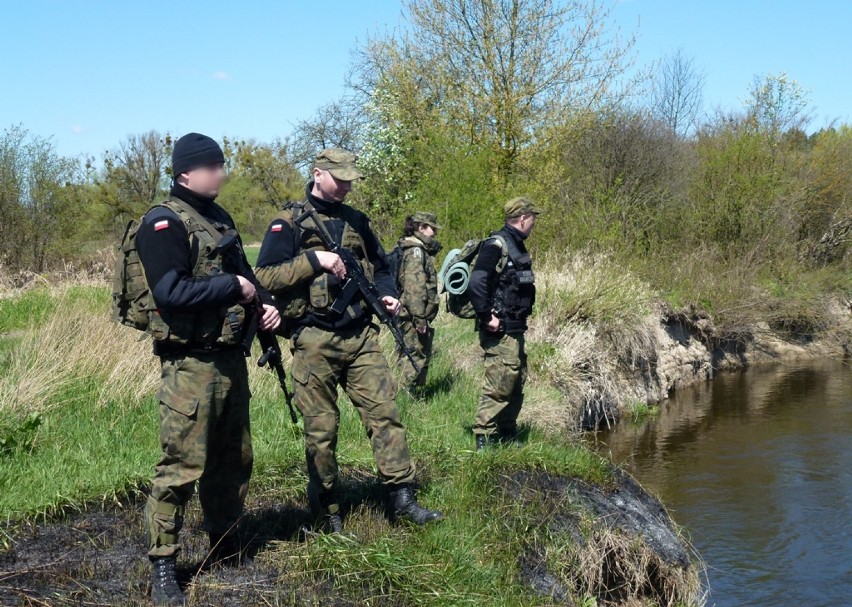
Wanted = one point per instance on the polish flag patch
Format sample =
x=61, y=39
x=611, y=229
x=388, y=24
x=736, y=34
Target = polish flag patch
x=277, y=227
x=161, y=225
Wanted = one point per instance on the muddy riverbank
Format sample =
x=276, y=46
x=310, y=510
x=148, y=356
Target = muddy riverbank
x=685, y=350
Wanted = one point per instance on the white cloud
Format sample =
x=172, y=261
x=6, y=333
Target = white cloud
x=220, y=75
x=76, y=128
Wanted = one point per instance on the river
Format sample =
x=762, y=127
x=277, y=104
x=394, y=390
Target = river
x=757, y=466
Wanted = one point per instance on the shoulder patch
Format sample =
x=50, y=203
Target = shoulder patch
x=276, y=227
x=417, y=252
x=163, y=224
x=160, y=213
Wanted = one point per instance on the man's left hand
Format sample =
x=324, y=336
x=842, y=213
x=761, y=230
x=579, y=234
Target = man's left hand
x=391, y=304
x=270, y=320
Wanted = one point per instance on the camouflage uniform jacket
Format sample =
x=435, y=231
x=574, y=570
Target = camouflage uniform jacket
x=418, y=280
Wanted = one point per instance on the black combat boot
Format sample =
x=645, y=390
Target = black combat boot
x=481, y=442
x=508, y=435
x=164, y=586
x=225, y=550
x=326, y=509
x=405, y=506
x=332, y=522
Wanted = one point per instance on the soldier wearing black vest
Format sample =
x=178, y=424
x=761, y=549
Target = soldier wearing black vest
x=502, y=292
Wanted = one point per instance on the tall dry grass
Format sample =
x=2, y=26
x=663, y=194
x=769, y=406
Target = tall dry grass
x=93, y=271
x=78, y=346
x=593, y=321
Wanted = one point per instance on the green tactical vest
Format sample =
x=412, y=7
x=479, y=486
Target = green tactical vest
x=133, y=304
x=316, y=296
x=425, y=287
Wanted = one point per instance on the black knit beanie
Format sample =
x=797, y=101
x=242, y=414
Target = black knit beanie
x=195, y=150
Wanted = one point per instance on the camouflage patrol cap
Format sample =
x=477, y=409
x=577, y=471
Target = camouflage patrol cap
x=521, y=206
x=340, y=163
x=430, y=219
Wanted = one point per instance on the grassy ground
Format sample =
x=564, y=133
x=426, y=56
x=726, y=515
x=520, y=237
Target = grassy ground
x=251, y=253
x=93, y=445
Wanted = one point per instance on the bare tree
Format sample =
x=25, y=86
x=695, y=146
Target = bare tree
x=677, y=92
x=498, y=70
x=135, y=175
x=336, y=124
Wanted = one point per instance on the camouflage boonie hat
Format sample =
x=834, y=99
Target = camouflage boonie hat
x=339, y=162
x=521, y=206
x=430, y=219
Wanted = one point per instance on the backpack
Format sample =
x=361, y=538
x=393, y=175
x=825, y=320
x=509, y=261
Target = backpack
x=132, y=302
x=455, y=274
x=394, y=261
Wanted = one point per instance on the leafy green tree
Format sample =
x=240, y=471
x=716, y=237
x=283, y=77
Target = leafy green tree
x=261, y=178
x=135, y=175
x=497, y=70
x=37, y=198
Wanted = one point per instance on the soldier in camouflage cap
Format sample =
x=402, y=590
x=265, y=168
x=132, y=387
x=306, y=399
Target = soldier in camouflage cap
x=339, y=163
x=417, y=280
x=333, y=349
x=518, y=207
x=502, y=292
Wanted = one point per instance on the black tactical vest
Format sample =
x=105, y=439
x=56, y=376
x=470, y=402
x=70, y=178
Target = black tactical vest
x=514, y=293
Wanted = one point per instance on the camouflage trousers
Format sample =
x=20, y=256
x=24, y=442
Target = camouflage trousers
x=205, y=437
x=322, y=360
x=503, y=388
x=421, y=347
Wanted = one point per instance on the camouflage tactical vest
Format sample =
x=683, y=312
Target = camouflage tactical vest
x=317, y=295
x=419, y=281
x=133, y=304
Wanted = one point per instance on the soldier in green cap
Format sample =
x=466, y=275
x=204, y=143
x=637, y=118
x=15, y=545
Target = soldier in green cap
x=502, y=292
x=418, y=286
x=333, y=349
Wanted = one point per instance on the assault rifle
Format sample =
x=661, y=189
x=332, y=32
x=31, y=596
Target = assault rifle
x=268, y=342
x=356, y=282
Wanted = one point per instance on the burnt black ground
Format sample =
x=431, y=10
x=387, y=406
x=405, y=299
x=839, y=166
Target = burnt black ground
x=98, y=557
x=622, y=507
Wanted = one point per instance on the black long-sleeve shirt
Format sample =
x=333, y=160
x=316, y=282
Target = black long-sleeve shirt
x=169, y=257
x=281, y=261
x=483, y=278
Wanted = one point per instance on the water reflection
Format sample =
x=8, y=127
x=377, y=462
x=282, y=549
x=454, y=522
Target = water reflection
x=757, y=466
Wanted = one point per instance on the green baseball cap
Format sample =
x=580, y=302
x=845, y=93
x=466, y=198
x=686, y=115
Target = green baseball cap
x=340, y=163
x=430, y=219
x=521, y=206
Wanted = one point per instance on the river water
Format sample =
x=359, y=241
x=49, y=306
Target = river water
x=757, y=465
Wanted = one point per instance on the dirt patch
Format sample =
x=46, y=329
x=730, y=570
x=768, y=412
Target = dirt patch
x=98, y=557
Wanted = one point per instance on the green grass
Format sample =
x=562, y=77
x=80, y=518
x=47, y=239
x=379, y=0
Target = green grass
x=102, y=449
x=80, y=454
x=639, y=412
x=34, y=306
x=251, y=253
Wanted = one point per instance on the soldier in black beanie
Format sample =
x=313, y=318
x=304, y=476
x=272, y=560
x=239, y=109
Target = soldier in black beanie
x=198, y=322
x=195, y=150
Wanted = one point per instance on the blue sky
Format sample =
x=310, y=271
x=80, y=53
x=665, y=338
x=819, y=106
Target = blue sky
x=89, y=73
